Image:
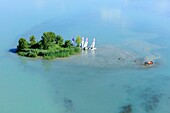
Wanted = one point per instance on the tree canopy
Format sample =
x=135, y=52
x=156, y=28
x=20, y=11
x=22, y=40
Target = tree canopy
x=68, y=43
x=78, y=41
x=22, y=44
x=32, y=41
x=48, y=40
x=59, y=40
x=50, y=46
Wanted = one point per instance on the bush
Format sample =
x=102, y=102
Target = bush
x=32, y=54
x=56, y=54
x=74, y=50
x=22, y=53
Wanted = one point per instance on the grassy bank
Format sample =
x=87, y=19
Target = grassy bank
x=49, y=54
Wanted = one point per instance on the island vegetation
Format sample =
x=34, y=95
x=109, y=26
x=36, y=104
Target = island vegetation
x=49, y=47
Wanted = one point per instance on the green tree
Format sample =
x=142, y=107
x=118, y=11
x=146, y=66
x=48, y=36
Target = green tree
x=78, y=41
x=22, y=44
x=68, y=44
x=59, y=40
x=32, y=41
x=48, y=40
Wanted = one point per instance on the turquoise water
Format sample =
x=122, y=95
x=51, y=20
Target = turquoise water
x=93, y=81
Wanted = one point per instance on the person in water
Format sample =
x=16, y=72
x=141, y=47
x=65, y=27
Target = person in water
x=148, y=63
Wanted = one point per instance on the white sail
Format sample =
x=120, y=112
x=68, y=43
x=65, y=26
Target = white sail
x=86, y=43
x=82, y=42
x=93, y=43
x=92, y=47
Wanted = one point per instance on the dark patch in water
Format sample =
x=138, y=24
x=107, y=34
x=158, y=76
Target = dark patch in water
x=129, y=89
x=13, y=50
x=150, y=101
x=68, y=103
x=56, y=93
x=121, y=58
x=127, y=109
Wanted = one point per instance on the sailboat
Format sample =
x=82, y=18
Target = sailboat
x=85, y=44
x=82, y=43
x=92, y=47
x=73, y=41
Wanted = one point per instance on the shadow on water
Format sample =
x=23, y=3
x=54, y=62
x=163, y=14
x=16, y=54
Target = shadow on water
x=126, y=109
x=151, y=99
x=68, y=103
x=13, y=50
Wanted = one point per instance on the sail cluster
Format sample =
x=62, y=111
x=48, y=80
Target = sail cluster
x=84, y=43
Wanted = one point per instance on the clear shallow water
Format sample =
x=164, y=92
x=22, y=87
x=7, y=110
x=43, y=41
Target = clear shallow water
x=92, y=82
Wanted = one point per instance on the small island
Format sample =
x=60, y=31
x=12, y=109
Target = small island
x=49, y=47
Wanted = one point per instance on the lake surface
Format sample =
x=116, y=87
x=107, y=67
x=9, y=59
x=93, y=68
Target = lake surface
x=93, y=81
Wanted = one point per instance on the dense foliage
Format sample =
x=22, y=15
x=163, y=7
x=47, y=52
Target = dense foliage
x=32, y=41
x=22, y=44
x=78, y=41
x=59, y=40
x=49, y=47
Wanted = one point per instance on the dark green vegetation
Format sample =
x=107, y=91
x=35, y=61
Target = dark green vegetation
x=49, y=47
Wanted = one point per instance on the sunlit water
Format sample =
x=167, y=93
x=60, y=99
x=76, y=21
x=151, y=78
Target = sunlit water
x=93, y=81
